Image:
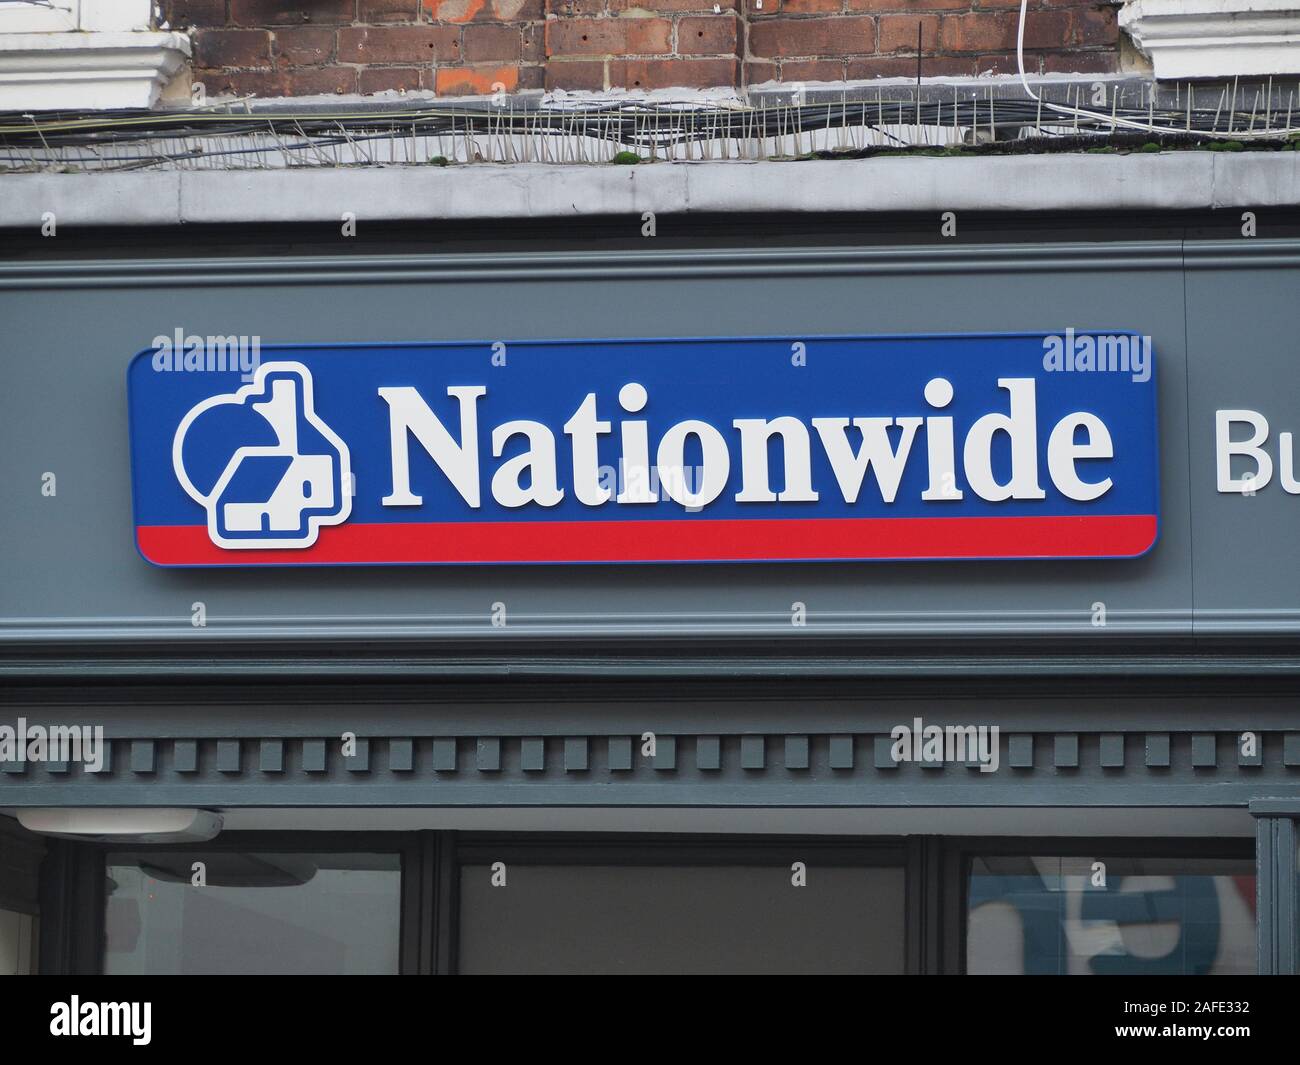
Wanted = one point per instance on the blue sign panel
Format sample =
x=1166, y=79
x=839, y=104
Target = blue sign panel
x=755, y=449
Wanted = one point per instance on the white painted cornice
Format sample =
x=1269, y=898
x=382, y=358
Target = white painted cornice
x=87, y=71
x=1216, y=38
x=86, y=55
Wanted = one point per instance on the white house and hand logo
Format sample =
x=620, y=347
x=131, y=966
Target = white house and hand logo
x=287, y=473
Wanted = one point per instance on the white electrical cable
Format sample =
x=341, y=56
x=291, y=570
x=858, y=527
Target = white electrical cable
x=1020, y=50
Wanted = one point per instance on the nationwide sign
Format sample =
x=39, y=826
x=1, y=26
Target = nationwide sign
x=1009, y=446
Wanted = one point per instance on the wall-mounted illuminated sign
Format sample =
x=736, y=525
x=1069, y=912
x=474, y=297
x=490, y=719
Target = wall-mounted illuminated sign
x=821, y=448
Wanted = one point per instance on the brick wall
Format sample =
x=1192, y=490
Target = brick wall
x=463, y=47
x=831, y=40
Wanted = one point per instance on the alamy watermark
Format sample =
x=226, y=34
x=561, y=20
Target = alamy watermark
x=939, y=744
x=1098, y=353
x=53, y=743
x=635, y=483
x=77, y=1018
x=192, y=353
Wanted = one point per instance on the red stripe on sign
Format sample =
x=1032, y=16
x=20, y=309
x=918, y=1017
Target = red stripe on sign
x=675, y=540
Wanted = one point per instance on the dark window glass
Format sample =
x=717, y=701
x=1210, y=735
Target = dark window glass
x=20, y=863
x=681, y=919
x=18, y=937
x=258, y=913
x=1122, y=916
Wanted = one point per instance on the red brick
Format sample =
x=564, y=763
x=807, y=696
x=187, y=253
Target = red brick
x=279, y=13
x=388, y=11
x=812, y=70
x=811, y=7
x=1006, y=64
x=769, y=8
x=813, y=37
x=453, y=10
x=1004, y=5
x=1045, y=29
x=575, y=8
x=756, y=73
x=182, y=14
x=907, y=6
x=1081, y=63
x=942, y=66
x=573, y=76
x=533, y=43
x=241, y=82
x=669, y=6
x=398, y=44
x=977, y=32
x=1094, y=27
x=518, y=10
x=318, y=81
x=532, y=78
x=673, y=73
x=707, y=35
x=386, y=79
x=475, y=81
x=304, y=45
x=488, y=43
x=483, y=10
x=898, y=33
x=608, y=36
x=878, y=66
x=232, y=48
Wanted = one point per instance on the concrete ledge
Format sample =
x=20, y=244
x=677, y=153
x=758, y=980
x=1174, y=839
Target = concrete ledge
x=1166, y=181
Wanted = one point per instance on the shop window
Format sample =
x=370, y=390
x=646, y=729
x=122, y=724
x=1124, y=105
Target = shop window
x=231, y=912
x=521, y=918
x=18, y=933
x=20, y=861
x=1111, y=916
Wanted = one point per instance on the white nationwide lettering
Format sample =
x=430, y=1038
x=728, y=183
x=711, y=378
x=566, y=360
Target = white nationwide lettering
x=531, y=476
x=408, y=413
